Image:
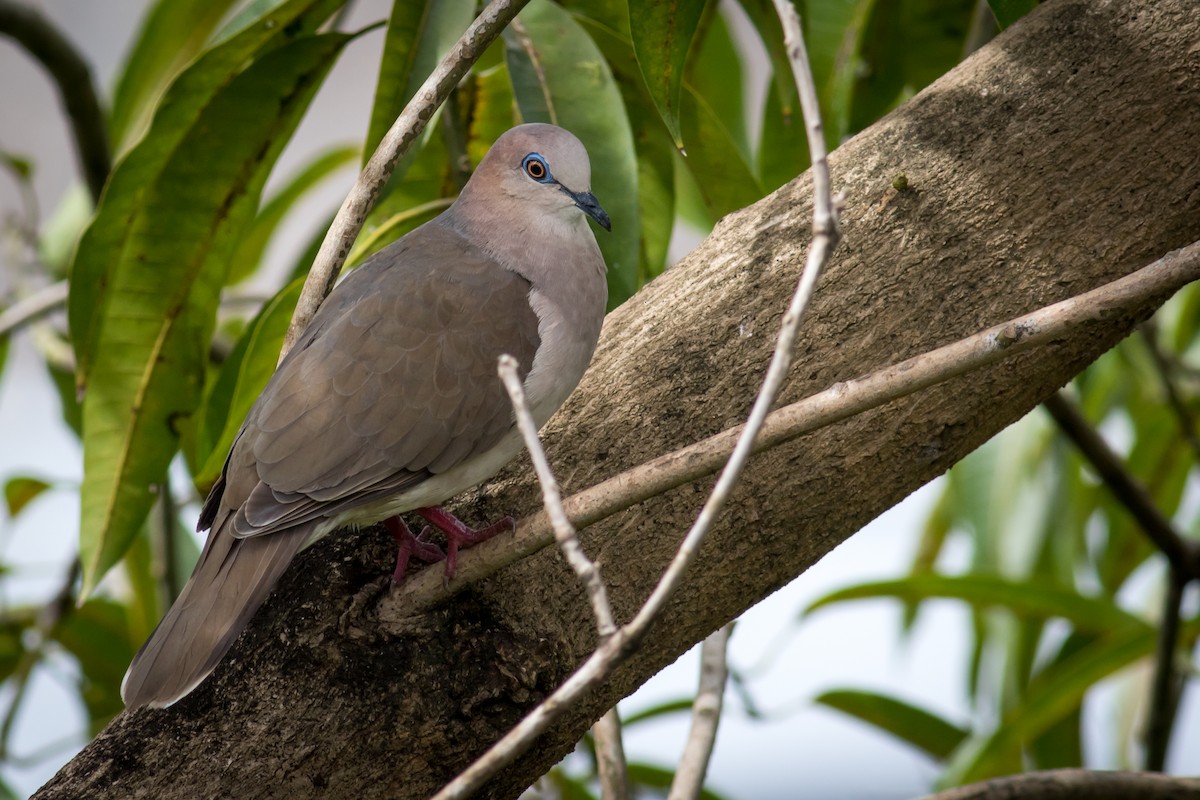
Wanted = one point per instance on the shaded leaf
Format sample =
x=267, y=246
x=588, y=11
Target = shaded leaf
x=654, y=777
x=153, y=331
x=920, y=728
x=715, y=73
x=662, y=34
x=724, y=178
x=248, y=256
x=97, y=634
x=682, y=705
x=393, y=228
x=559, y=76
x=1009, y=11
x=419, y=33
x=240, y=382
x=20, y=491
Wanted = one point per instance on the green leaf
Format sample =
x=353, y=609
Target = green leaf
x=20, y=491
x=655, y=777
x=393, y=228
x=493, y=109
x=1009, y=11
x=715, y=73
x=783, y=144
x=419, y=33
x=164, y=284
x=559, y=76
x=240, y=382
x=183, y=108
x=1033, y=598
x=97, y=634
x=682, y=705
x=662, y=34
x=725, y=180
x=248, y=256
x=916, y=726
x=1051, y=696
x=173, y=33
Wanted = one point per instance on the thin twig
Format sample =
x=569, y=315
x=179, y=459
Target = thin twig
x=612, y=652
x=706, y=715
x=841, y=401
x=71, y=74
x=610, y=757
x=1167, y=685
x=34, y=307
x=1125, y=488
x=1076, y=784
x=396, y=142
x=564, y=531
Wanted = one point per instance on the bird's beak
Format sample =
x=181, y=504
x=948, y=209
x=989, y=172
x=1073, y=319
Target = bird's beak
x=588, y=204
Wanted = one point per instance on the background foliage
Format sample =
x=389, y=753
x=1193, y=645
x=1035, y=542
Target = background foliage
x=1058, y=578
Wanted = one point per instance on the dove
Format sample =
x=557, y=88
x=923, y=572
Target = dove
x=390, y=401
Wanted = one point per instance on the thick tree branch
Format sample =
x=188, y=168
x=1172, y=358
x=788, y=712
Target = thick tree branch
x=71, y=74
x=321, y=697
x=838, y=402
x=1076, y=784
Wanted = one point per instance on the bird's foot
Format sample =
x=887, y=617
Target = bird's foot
x=408, y=546
x=459, y=534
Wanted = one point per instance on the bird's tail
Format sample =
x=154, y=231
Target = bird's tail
x=231, y=580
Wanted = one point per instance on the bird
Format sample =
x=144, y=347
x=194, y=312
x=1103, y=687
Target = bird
x=390, y=401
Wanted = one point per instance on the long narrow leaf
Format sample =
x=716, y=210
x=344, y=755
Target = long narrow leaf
x=662, y=34
x=1033, y=598
x=920, y=728
x=164, y=284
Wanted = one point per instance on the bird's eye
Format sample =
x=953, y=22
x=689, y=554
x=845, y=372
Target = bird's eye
x=536, y=167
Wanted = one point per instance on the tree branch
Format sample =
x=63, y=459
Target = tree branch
x=1167, y=684
x=71, y=74
x=1076, y=784
x=33, y=307
x=706, y=715
x=396, y=142
x=838, y=402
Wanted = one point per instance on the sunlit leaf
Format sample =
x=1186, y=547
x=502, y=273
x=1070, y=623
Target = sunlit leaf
x=172, y=34
x=559, y=76
x=920, y=728
x=20, y=491
x=1032, y=598
x=164, y=276
x=662, y=35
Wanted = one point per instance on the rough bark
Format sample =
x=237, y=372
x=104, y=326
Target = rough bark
x=1059, y=157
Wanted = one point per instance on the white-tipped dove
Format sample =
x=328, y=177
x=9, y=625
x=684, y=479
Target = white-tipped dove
x=390, y=401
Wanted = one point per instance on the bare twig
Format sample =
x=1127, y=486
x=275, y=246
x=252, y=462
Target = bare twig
x=610, y=757
x=1076, y=784
x=1127, y=490
x=395, y=144
x=33, y=307
x=1167, y=684
x=613, y=651
x=839, y=402
x=42, y=40
x=610, y=752
x=564, y=532
x=706, y=715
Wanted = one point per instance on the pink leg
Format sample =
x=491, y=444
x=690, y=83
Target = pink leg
x=459, y=534
x=408, y=546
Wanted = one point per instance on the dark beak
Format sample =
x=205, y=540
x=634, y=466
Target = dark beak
x=588, y=204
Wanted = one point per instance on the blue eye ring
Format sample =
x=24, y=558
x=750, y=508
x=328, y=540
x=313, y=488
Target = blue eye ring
x=536, y=168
